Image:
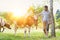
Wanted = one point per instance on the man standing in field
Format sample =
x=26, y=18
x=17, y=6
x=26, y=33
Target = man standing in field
x=45, y=19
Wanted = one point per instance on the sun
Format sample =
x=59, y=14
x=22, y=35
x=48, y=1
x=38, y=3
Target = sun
x=18, y=13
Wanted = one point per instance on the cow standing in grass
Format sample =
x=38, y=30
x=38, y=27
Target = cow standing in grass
x=31, y=20
x=3, y=24
x=26, y=22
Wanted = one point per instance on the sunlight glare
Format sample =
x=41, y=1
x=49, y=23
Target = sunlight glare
x=19, y=13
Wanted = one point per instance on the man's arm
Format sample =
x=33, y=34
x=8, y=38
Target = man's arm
x=40, y=14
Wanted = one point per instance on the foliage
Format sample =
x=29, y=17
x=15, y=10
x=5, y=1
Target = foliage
x=58, y=18
x=36, y=10
x=8, y=16
x=58, y=14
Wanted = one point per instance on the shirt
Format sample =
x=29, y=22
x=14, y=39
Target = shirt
x=45, y=15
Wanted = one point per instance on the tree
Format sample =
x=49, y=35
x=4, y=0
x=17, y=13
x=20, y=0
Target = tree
x=53, y=21
x=8, y=16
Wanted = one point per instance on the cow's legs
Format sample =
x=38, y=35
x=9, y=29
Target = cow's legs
x=3, y=29
x=15, y=29
x=25, y=30
x=0, y=29
x=29, y=31
x=36, y=25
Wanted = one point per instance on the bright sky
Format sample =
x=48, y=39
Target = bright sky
x=21, y=6
x=13, y=5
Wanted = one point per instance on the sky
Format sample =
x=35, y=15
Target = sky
x=21, y=6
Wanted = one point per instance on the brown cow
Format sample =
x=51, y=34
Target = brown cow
x=25, y=23
x=4, y=24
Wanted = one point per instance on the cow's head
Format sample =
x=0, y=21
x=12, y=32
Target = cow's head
x=7, y=25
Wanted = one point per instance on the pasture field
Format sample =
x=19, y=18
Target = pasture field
x=34, y=36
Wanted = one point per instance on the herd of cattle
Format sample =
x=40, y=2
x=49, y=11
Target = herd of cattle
x=25, y=22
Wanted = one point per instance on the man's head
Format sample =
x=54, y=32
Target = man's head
x=46, y=8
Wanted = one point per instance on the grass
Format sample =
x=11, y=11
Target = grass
x=34, y=36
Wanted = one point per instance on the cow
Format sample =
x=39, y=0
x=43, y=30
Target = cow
x=26, y=22
x=3, y=24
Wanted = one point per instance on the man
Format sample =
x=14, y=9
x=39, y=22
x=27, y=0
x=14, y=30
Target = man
x=45, y=19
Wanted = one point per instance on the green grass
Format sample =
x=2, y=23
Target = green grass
x=34, y=36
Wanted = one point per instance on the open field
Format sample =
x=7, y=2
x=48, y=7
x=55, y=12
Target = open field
x=35, y=35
